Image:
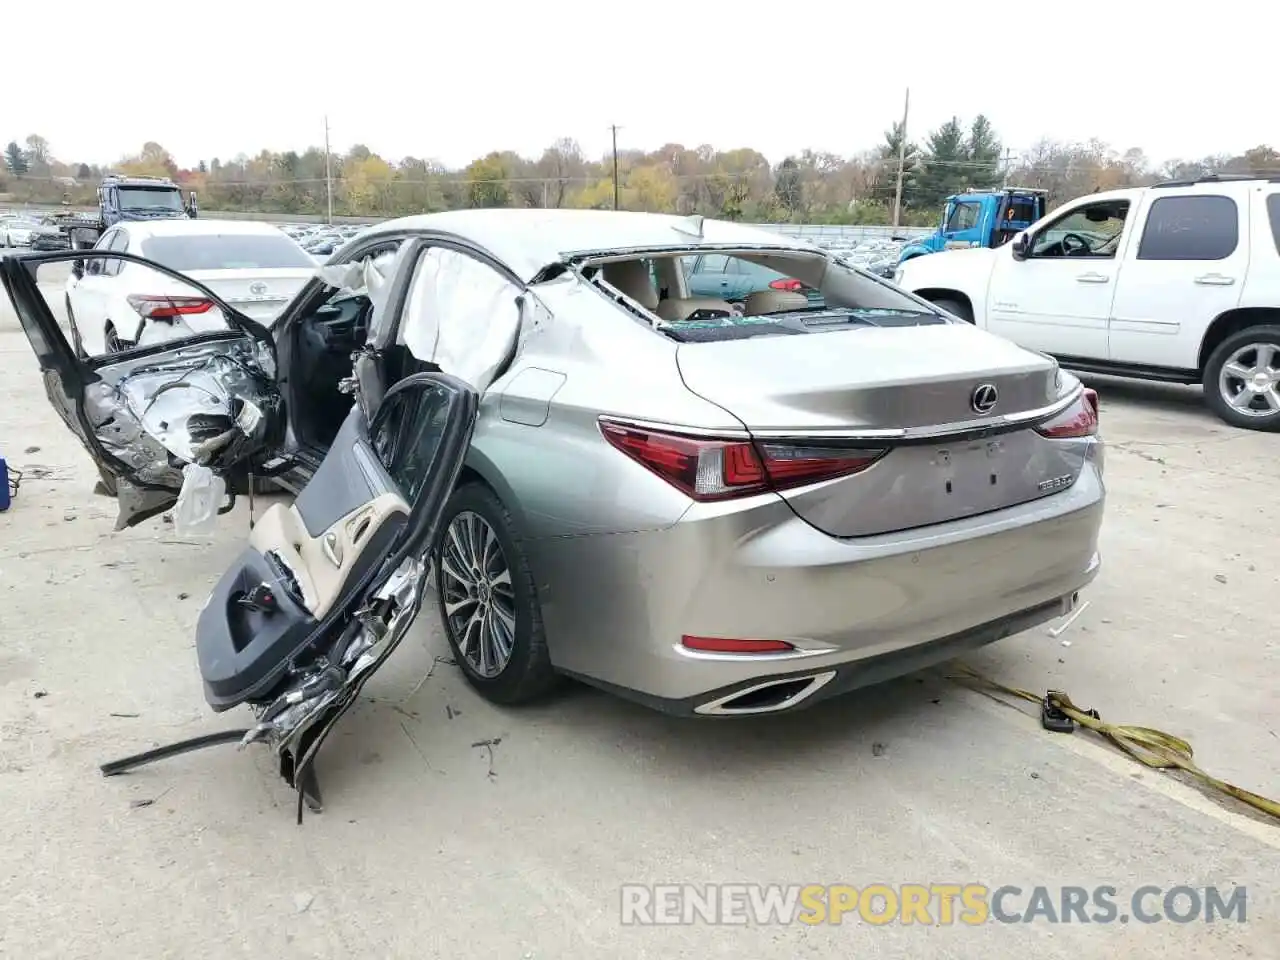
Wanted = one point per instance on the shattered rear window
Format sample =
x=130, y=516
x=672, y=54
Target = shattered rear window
x=814, y=320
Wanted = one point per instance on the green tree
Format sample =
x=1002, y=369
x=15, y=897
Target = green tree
x=788, y=185
x=14, y=159
x=83, y=172
x=982, y=151
x=886, y=181
x=944, y=170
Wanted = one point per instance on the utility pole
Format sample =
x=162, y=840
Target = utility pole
x=328, y=178
x=902, y=161
x=614, y=130
x=1008, y=163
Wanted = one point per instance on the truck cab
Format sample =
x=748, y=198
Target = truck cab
x=980, y=218
x=142, y=198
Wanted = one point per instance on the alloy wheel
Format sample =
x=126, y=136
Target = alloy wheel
x=477, y=595
x=1250, y=380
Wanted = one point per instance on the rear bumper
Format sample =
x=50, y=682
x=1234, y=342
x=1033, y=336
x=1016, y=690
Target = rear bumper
x=798, y=689
x=862, y=610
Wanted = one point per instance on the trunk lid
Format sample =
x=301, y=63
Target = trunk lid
x=870, y=378
x=260, y=292
x=908, y=389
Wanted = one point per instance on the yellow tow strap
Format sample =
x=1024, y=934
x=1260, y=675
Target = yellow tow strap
x=1152, y=748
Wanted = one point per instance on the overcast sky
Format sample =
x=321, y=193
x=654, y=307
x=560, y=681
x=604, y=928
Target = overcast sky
x=452, y=81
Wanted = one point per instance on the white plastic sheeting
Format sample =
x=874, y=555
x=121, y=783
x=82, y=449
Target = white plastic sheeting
x=461, y=315
x=196, y=512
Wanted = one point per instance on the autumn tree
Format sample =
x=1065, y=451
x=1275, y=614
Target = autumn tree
x=37, y=155
x=486, y=182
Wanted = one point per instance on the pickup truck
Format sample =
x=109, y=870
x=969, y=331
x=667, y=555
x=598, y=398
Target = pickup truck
x=1177, y=282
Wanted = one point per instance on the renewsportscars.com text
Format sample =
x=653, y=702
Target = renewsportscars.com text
x=927, y=904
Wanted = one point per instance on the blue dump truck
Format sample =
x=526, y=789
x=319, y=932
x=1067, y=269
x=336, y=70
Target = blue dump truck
x=980, y=218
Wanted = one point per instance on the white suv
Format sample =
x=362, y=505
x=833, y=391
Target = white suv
x=1177, y=282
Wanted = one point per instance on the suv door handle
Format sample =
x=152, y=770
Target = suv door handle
x=1216, y=280
x=1092, y=278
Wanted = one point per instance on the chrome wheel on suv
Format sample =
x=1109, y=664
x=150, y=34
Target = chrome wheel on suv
x=1242, y=379
x=1248, y=380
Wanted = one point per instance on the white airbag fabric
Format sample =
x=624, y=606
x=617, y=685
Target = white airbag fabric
x=196, y=512
x=462, y=315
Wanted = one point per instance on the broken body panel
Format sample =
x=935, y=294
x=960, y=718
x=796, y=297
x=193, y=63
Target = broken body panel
x=145, y=414
x=327, y=586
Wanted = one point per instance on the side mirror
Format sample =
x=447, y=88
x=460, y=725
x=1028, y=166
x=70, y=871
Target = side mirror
x=1021, y=246
x=77, y=268
x=192, y=209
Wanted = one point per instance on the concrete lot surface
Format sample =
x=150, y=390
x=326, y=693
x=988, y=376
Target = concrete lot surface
x=432, y=846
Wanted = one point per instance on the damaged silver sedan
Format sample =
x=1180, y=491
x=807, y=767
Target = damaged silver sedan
x=715, y=506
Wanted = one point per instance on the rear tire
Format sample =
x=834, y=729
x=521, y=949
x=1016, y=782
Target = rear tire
x=496, y=576
x=1243, y=361
x=961, y=310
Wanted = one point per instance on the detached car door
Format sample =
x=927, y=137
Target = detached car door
x=144, y=414
x=328, y=585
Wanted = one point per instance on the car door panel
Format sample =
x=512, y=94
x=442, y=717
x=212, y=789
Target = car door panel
x=347, y=478
x=1185, y=269
x=326, y=589
x=143, y=415
x=1055, y=299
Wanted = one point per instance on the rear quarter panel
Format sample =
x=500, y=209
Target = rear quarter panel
x=1262, y=280
x=562, y=478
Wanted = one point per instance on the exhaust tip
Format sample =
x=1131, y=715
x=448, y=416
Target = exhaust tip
x=769, y=696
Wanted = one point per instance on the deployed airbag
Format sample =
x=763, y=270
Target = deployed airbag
x=463, y=316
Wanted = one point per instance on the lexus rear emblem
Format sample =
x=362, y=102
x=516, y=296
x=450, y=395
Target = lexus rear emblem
x=984, y=397
x=258, y=288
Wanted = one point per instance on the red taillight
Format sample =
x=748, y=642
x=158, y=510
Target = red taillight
x=160, y=308
x=708, y=469
x=729, y=645
x=791, y=286
x=1078, y=420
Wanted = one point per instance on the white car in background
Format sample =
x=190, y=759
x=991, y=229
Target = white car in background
x=117, y=304
x=16, y=231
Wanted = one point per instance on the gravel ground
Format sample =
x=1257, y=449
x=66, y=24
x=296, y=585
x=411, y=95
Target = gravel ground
x=433, y=846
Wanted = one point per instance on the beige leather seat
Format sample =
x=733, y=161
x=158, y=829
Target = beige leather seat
x=676, y=309
x=322, y=565
x=632, y=278
x=773, y=301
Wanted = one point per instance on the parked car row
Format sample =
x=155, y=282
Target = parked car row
x=29, y=230
x=321, y=240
